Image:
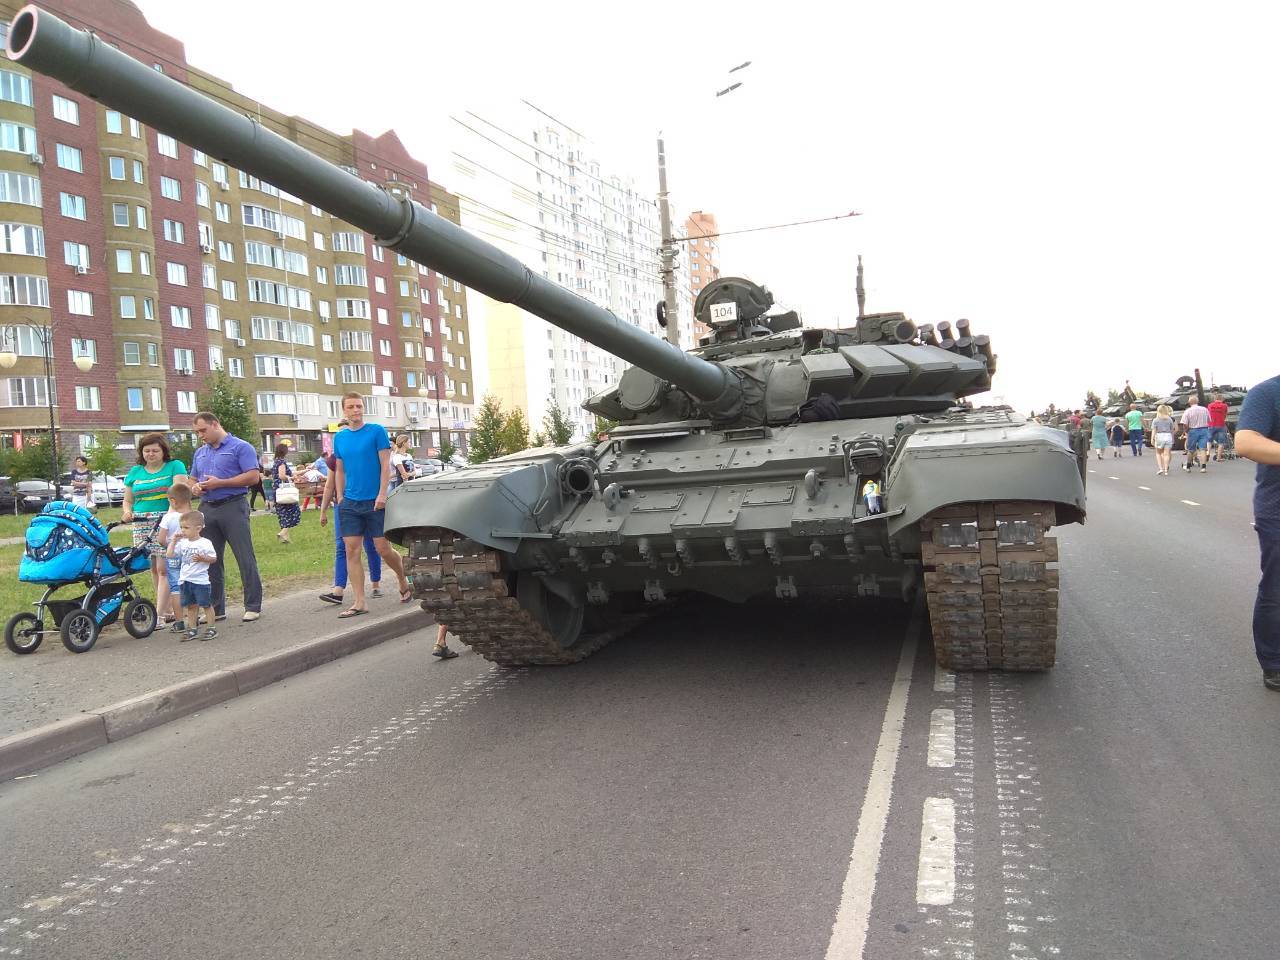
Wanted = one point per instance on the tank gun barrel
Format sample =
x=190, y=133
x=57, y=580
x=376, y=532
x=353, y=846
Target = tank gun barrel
x=89, y=65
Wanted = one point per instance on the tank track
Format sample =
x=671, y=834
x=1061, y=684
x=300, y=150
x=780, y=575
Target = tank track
x=466, y=588
x=993, y=597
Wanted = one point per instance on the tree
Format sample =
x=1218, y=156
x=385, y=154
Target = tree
x=559, y=431
x=603, y=425
x=230, y=405
x=515, y=432
x=538, y=440
x=183, y=450
x=486, y=440
x=104, y=457
x=34, y=461
x=448, y=450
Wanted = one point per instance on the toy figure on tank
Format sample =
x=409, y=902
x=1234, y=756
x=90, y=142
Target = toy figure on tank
x=737, y=469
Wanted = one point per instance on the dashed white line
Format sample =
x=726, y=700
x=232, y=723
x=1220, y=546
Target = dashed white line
x=849, y=932
x=944, y=681
x=1191, y=503
x=1113, y=478
x=942, y=738
x=1141, y=487
x=936, y=875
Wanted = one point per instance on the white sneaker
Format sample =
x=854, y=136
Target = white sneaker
x=250, y=616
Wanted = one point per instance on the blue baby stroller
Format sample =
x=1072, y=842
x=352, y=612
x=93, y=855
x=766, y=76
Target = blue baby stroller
x=67, y=545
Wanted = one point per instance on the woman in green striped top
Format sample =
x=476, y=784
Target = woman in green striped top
x=146, y=498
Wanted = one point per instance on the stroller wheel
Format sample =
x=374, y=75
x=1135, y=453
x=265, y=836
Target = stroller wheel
x=140, y=618
x=79, y=631
x=23, y=633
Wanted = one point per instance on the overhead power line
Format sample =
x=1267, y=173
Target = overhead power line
x=776, y=226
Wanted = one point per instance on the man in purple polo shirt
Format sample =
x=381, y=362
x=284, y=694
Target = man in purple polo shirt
x=224, y=468
x=1258, y=438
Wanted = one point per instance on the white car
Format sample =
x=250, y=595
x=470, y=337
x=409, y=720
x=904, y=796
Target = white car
x=108, y=491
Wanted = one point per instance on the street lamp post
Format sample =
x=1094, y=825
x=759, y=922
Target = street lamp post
x=424, y=392
x=9, y=359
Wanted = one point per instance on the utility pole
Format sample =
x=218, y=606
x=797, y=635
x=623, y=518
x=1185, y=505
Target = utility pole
x=668, y=251
x=862, y=294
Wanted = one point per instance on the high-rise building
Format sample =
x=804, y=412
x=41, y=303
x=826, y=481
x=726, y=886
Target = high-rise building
x=163, y=265
x=704, y=256
x=536, y=188
x=450, y=384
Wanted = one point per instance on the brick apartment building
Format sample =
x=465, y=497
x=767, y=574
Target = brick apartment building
x=161, y=264
x=704, y=257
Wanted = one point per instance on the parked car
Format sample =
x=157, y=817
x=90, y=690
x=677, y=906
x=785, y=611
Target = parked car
x=31, y=495
x=108, y=491
x=428, y=467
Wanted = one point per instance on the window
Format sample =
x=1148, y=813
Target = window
x=356, y=340
x=17, y=137
x=235, y=367
x=119, y=214
x=208, y=276
x=408, y=288
x=87, y=398
x=326, y=343
x=267, y=365
x=226, y=251
x=205, y=234
x=132, y=355
x=382, y=316
x=462, y=337
x=166, y=146
x=115, y=168
x=348, y=242
x=16, y=88
x=228, y=290
x=128, y=307
x=215, y=358
x=114, y=123
x=353, y=308
x=180, y=316
x=144, y=263
x=137, y=171
x=357, y=373
x=202, y=193
x=184, y=359
x=220, y=175
x=317, y=240
x=173, y=231
x=153, y=354
x=409, y=348
x=80, y=303
x=322, y=307
x=349, y=276
x=170, y=188
x=411, y=380
x=322, y=274
x=140, y=217
x=69, y=158
x=384, y=347
x=72, y=206
x=124, y=261
x=212, y=317
x=186, y=401
x=134, y=395
x=157, y=398
x=148, y=308
x=222, y=211
x=380, y=283
x=256, y=216
x=233, y=329
x=198, y=158
x=429, y=353
x=285, y=331
x=378, y=253
x=22, y=238
x=457, y=310
x=19, y=188
x=176, y=273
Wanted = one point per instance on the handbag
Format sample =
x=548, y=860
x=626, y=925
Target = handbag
x=287, y=493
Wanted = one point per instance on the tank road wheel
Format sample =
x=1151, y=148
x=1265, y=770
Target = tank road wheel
x=557, y=616
x=992, y=594
x=23, y=632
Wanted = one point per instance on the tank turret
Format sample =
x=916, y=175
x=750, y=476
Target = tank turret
x=772, y=460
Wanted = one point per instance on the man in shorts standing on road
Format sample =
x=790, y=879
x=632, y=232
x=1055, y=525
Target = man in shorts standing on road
x=1195, y=420
x=1218, y=427
x=361, y=472
x=1258, y=438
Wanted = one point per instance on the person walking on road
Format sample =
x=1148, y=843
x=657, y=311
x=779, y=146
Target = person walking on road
x=1162, y=438
x=1258, y=439
x=287, y=514
x=1117, y=437
x=1099, y=424
x=335, y=595
x=224, y=467
x=1195, y=420
x=402, y=465
x=1218, y=427
x=1133, y=420
x=363, y=470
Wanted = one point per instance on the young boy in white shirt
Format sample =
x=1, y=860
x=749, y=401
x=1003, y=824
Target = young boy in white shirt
x=167, y=603
x=196, y=553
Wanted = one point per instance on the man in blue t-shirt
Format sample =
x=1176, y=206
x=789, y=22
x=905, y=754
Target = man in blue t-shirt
x=361, y=473
x=1258, y=438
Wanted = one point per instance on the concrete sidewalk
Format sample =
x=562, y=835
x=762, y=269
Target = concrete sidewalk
x=123, y=685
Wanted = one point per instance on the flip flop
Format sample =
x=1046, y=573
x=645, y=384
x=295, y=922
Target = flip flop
x=351, y=612
x=330, y=598
x=406, y=595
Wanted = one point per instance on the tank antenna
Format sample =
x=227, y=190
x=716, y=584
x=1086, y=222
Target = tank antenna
x=862, y=294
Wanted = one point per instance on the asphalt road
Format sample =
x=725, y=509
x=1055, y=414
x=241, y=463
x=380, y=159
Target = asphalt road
x=739, y=783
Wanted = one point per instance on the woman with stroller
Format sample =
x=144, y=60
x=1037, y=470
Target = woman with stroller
x=287, y=514
x=146, y=498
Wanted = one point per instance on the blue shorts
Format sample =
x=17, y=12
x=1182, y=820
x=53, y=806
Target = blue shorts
x=1197, y=439
x=171, y=568
x=357, y=518
x=1218, y=435
x=196, y=595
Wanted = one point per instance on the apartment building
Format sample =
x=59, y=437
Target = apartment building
x=159, y=264
x=703, y=253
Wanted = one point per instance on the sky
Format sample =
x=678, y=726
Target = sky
x=1093, y=185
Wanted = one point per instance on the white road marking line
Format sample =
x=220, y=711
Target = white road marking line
x=849, y=932
x=1113, y=478
x=1191, y=503
x=936, y=874
x=942, y=738
x=1141, y=487
x=944, y=681
x=1092, y=470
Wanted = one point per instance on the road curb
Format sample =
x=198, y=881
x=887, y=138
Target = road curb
x=31, y=750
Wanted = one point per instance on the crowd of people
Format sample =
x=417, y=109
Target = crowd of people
x=188, y=546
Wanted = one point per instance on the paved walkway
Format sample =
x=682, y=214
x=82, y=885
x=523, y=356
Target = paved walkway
x=55, y=684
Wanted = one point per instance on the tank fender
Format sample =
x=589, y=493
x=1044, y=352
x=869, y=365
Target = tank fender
x=494, y=504
x=936, y=468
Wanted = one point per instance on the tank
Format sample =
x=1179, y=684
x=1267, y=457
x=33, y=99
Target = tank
x=773, y=461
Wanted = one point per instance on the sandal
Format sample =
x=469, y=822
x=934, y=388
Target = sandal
x=351, y=612
x=406, y=595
